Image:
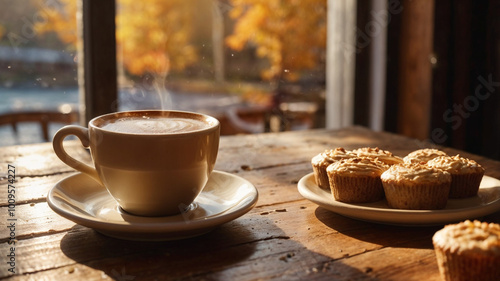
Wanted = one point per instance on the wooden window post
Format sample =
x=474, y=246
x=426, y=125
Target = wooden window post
x=415, y=69
x=97, y=75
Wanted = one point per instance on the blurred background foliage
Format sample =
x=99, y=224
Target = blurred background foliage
x=271, y=43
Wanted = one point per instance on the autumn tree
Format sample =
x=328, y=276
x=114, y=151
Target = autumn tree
x=290, y=34
x=152, y=36
x=60, y=18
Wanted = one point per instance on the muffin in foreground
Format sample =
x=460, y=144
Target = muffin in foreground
x=321, y=161
x=356, y=180
x=466, y=174
x=423, y=155
x=469, y=250
x=416, y=187
x=382, y=155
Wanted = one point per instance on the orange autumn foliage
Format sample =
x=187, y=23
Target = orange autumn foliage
x=60, y=19
x=2, y=31
x=291, y=34
x=152, y=36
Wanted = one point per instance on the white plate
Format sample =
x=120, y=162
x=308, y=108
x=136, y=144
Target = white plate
x=487, y=202
x=224, y=198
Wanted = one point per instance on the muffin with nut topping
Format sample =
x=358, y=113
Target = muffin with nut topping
x=423, y=155
x=382, y=155
x=321, y=161
x=466, y=174
x=356, y=180
x=416, y=187
x=468, y=250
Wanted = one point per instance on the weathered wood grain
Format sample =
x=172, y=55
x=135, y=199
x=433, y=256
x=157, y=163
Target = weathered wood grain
x=265, y=241
x=284, y=237
x=39, y=159
x=31, y=189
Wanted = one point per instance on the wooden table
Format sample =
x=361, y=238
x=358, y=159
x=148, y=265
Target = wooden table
x=285, y=237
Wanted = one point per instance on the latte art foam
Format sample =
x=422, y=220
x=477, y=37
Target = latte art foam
x=154, y=125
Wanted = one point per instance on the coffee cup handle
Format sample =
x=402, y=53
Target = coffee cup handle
x=82, y=134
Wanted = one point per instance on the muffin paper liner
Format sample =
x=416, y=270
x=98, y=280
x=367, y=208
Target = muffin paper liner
x=321, y=177
x=467, y=266
x=416, y=196
x=465, y=185
x=356, y=189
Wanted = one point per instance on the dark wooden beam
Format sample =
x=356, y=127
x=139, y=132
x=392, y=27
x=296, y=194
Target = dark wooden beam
x=392, y=70
x=97, y=58
x=362, y=75
x=491, y=116
x=415, y=69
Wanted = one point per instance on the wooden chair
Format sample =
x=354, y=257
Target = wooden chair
x=44, y=118
x=258, y=119
x=243, y=120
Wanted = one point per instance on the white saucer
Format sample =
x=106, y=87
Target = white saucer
x=486, y=202
x=224, y=198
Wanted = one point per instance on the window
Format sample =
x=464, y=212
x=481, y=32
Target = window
x=38, y=75
x=254, y=66
x=257, y=67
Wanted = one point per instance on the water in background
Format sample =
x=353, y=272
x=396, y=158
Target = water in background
x=19, y=99
x=31, y=100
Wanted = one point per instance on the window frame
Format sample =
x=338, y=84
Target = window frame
x=97, y=64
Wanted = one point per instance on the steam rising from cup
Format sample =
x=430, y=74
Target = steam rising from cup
x=150, y=93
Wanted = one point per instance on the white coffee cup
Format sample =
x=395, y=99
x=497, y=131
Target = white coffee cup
x=152, y=162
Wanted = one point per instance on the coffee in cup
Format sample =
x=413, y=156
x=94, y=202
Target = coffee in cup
x=154, y=125
x=153, y=163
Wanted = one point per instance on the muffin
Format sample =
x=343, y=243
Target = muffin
x=468, y=251
x=423, y=155
x=382, y=155
x=466, y=174
x=356, y=180
x=321, y=161
x=416, y=187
